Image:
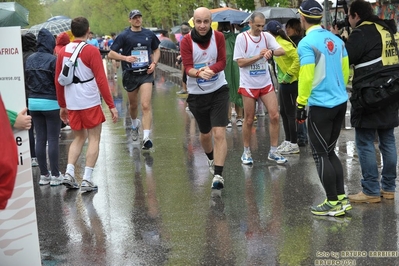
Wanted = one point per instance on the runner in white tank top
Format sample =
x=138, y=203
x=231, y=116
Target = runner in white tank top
x=252, y=50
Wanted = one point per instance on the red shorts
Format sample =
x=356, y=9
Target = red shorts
x=255, y=93
x=86, y=118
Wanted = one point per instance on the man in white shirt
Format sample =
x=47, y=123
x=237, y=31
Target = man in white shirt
x=251, y=51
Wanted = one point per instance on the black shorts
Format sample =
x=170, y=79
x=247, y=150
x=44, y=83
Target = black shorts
x=210, y=110
x=132, y=81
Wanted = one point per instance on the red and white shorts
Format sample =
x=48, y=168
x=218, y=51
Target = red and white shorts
x=255, y=93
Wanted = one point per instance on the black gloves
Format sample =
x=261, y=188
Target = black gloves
x=301, y=113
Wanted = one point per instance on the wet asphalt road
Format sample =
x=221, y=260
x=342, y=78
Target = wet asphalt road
x=157, y=208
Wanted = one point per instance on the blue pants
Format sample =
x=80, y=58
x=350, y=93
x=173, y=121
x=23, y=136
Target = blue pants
x=367, y=157
x=47, y=127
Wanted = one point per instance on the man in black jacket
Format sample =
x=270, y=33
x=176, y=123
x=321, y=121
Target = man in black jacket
x=368, y=47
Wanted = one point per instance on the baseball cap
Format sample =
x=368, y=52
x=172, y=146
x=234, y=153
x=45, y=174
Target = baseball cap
x=134, y=13
x=273, y=26
x=311, y=9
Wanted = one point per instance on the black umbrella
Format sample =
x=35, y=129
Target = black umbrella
x=168, y=44
x=281, y=14
x=229, y=15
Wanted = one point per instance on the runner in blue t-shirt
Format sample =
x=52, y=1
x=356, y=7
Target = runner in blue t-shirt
x=139, y=57
x=323, y=75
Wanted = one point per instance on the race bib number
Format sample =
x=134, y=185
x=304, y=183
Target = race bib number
x=258, y=68
x=142, y=58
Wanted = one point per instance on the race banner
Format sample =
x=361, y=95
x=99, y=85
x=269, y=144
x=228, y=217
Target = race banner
x=19, y=240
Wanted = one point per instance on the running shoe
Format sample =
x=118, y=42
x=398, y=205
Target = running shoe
x=239, y=122
x=277, y=157
x=283, y=145
x=246, y=158
x=44, y=179
x=346, y=204
x=87, y=186
x=69, y=181
x=217, y=182
x=135, y=131
x=147, y=144
x=56, y=180
x=290, y=148
x=327, y=209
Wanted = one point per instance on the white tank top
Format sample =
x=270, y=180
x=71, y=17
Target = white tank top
x=202, y=58
x=255, y=76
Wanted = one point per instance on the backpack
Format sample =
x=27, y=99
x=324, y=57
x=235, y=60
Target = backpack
x=67, y=75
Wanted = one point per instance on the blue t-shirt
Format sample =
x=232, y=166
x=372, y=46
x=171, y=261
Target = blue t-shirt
x=326, y=51
x=137, y=43
x=93, y=42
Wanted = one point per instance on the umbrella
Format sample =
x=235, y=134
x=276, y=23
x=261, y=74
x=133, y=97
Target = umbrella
x=168, y=44
x=175, y=29
x=58, y=17
x=281, y=14
x=13, y=14
x=55, y=26
x=229, y=15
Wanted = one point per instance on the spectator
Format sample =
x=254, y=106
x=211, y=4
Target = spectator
x=42, y=103
x=369, y=46
x=295, y=32
x=28, y=48
x=288, y=71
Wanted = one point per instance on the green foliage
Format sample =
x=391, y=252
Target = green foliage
x=112, y=15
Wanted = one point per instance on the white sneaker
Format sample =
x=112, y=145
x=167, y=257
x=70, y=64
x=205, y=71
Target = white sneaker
x=239, y=122
x=44, y=179
x=290, y=148
x=246, y=158
x=56, y=181
x=276, y=157
x=87, y=186
x=69, y=181
x=229, y=125
x=283, y=145
x=217, y=182
x=147, y=144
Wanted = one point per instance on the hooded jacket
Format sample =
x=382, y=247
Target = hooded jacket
x=62, y=40
x=28, y=48
x=40, y=68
